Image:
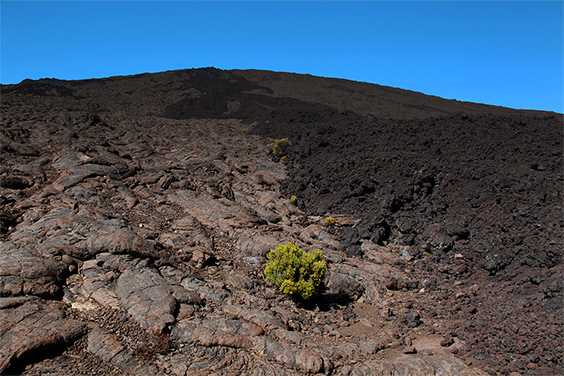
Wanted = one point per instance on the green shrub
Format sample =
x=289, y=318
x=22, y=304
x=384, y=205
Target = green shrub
x=329, y=221
x=294, y=199
x=295, y=272
x=280, y=147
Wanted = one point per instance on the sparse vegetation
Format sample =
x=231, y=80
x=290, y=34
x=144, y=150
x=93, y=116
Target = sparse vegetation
x=294, y=199
x=330, y=221
x=280, y=147
x=295, y=272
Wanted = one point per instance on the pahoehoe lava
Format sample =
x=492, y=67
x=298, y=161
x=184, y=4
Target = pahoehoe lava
x=136, y=211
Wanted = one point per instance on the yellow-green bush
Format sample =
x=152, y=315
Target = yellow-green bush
x=280, y=147
x=329, y=221
x=294, y=199
x=295, y=272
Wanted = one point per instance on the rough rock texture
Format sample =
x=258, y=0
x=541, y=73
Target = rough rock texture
x=150, y=299
x=29, y=326
x=136, y=213
x=26, y=273
x=111, y=350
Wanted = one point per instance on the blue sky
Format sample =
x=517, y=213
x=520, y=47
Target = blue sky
x=502, y=53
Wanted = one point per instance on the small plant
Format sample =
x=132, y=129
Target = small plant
x=329, y=221
x=283, y=159
x=242, y=131
x=280, y=147
x=295, y=272
x=294, y=199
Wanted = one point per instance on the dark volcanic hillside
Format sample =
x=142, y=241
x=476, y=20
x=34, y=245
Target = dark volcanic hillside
x=448, y=225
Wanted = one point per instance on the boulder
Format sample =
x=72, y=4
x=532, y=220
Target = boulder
x=342, y=287
x=150, y=299
x=114, y=239
x=23, y=272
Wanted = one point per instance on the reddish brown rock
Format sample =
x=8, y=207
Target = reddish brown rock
x=31, y=325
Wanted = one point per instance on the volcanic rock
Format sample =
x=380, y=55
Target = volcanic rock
x=136, y=214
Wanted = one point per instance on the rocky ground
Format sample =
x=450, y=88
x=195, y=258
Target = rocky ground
x=136, y=213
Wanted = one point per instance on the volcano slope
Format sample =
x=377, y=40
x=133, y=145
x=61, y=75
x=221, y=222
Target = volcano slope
x=136, y=213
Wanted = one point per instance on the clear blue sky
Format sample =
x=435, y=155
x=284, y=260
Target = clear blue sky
x=502, y=53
